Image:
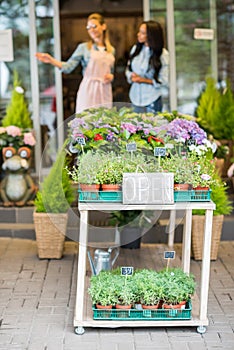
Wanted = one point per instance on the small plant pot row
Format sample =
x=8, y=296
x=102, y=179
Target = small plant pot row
x=145, y=292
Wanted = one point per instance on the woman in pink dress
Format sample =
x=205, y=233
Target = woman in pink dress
x=97, y=59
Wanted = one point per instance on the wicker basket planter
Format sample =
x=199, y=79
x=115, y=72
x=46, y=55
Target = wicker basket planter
x=50, y=234
x=198, y=222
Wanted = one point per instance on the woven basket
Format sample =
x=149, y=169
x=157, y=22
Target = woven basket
x=198, y=222
x=50, y=234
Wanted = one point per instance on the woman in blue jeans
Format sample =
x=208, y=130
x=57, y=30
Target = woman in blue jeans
x=147, y=69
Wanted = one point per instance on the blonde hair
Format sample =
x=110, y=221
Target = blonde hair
x=98, y=17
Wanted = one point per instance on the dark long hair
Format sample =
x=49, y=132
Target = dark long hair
x=155, y=39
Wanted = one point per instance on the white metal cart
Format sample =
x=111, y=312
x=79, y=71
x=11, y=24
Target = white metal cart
x=83, y=316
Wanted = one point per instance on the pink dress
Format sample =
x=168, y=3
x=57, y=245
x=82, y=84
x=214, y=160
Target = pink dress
x=93, y=92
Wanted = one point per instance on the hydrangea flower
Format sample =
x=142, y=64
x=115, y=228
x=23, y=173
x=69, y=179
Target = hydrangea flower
x=184, y=130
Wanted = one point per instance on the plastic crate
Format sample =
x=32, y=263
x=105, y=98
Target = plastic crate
x=100, y=196
x=146, y=315
x=192, y=196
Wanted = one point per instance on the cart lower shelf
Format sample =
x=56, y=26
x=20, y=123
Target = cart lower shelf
x=88, y=320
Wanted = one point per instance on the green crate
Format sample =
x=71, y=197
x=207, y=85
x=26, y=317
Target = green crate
x=192, y=196
x=146, y=315
x=100, y=196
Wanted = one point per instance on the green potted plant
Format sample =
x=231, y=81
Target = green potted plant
x=131, y=224
x=110, y=171
x=178, y=287
x=51, y=209
x=102, y=290
x=85, y=172
x=149, y=289
x=124, y=287
x=223, y=207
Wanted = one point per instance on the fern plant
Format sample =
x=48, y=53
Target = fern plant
x=56, y=193
x=215, y=111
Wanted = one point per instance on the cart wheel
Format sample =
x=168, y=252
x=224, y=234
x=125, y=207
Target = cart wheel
x=201, y=329
x=79, y=330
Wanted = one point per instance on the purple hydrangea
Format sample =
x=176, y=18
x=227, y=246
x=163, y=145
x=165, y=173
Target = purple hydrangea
x=183, y=129
x=132, y=129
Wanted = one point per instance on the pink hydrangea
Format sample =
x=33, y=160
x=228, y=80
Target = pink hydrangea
x=29, y=139
x=13, y=130
x=2, y=130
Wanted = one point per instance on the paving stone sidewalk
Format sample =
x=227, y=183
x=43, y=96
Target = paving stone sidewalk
x=37, y=299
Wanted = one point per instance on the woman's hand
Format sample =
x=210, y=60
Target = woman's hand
x=47, y=58
x=44, y=57
x=108, y=78
x=138, y=79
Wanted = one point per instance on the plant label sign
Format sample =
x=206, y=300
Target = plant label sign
x=81, y=141
x=127, y=270
x=160, y=151
x=131, y=147
x=169, y=254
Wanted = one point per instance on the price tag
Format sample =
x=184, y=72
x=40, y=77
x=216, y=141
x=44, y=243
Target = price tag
x=127, y=271
x=169, y=255
x=131, y=147
x=80, y=141
x=169, y=145
x=191, y=142
x=160, y=151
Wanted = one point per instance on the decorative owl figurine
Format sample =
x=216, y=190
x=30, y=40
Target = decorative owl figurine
x=17, y=187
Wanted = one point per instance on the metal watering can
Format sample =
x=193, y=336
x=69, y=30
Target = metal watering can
x=102, y=259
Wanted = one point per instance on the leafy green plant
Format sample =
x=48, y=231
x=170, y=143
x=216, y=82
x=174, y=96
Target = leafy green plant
x=220, y=197
x=178, y=285
x=85, y=172
x=149, y=289
x=215, y=111
x=102, y=289
x=56, y=193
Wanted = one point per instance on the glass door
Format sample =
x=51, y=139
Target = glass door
x=192, y=56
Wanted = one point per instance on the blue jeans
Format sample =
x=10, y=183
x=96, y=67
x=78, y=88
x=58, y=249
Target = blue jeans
x=154, y=107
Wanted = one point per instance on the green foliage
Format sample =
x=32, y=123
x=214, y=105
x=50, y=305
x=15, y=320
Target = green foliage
x=17, y=112
x=56, y=193
x=220, y=197
x=215, y=112
x=146, y=286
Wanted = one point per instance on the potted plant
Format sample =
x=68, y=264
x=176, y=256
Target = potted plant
x=131, y=224
x=178, y=287
x=85, y=171
x=149, y=289
x=124, y=287
x=181, y=167
x=102, y=290
x=110, y=171
x=51, y=206
x=223, y=207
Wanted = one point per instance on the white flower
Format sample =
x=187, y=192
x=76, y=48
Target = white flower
x=19, y=89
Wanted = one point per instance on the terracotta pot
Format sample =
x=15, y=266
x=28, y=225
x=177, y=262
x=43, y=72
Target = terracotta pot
x=89, y=188
x=181, y=187
x=201, y=188
x=103, y=307
x=123, y=307
x=111, y=187
x=176, y=306
x=150, y=307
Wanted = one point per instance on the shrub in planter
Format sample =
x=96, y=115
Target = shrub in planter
x=51, y=206
x=223, y=207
